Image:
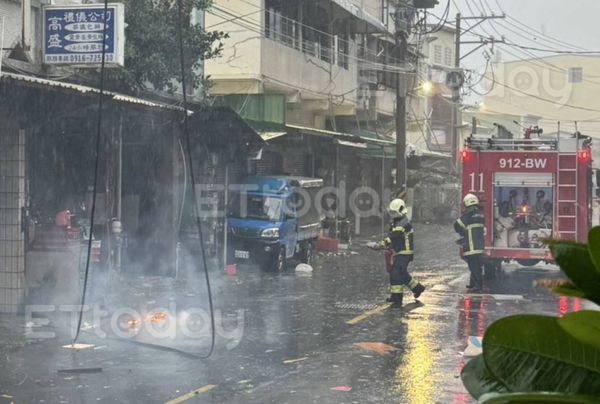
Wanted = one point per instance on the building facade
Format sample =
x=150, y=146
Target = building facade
x=558, y=93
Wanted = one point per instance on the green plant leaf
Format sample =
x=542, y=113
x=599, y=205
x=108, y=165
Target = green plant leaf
x=594, y=247
x=517, y=398
x=570, y=291
x=575, y=261
x=582, y=325
x=530, y=353
x=478, y=380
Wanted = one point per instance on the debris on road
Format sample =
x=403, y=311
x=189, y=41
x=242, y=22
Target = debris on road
x=290, y=361
x=342, y=388
x=474, y=346
x=78, y=346
x=377, y=347
x=304, y=268
x=192, y=394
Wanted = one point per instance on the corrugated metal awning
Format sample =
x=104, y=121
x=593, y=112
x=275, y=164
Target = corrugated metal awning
x=86, y=90
x=344, y=139
x=351, y=144
x=268, y=136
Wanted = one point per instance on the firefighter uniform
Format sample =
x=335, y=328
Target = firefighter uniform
x=471, y=228
x=400, y=241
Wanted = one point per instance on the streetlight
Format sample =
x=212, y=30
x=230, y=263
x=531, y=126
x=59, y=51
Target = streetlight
x=427, y=87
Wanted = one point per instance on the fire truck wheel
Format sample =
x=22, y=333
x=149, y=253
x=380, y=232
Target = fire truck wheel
x=528, y=263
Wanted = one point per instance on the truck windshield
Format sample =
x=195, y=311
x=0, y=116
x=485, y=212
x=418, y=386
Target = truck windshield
x=523, y=216
x=251, y=206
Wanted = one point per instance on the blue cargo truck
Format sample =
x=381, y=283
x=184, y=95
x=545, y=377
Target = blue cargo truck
x=273, y=219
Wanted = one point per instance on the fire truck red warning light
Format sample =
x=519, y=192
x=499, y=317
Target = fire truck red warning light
x=584, y=155
x=465, y=155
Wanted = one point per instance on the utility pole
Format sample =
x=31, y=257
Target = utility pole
x=456, y=115
x=402, y=46
x=404, y=13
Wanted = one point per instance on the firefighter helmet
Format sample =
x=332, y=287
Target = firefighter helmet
x=470, y=200
x=398, y=206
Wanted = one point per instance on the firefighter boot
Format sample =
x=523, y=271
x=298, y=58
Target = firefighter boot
x=418, y=290
x=396, y=300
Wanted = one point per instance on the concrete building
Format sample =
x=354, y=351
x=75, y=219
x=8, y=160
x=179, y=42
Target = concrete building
x=549, y=90
x=47, y=149
x=321, y=56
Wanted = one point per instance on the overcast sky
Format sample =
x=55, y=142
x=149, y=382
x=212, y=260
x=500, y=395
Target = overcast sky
x=576, y=22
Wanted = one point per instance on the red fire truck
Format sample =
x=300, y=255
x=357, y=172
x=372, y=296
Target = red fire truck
x=530, y=189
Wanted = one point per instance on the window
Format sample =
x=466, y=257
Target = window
x=385, y=12
x=448, y=57
x=575, y=74
x=437, y=54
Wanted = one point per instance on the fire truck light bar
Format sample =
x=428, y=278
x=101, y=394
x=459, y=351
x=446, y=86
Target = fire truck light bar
x=465, y=155
x=584, y=155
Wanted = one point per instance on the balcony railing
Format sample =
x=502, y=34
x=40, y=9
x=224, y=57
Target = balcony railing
x=330, y=48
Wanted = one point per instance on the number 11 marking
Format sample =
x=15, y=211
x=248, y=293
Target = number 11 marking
x=472, y=175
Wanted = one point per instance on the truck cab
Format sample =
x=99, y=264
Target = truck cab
x=272, y=219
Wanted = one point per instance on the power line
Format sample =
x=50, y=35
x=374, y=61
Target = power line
x=522, y=24
x=559, y=52
x=531, y=55
x=232, y=19
x=251, y=26
x=577, y=107
x=259, y=27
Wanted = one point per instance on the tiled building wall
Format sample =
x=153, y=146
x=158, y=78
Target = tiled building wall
x=12, y=199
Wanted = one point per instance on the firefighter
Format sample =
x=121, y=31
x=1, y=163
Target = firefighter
x=400, y=241
x=471, y=228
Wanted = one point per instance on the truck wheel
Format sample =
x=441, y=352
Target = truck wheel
x=279, y=261
x=307, y=253
x=528, y=263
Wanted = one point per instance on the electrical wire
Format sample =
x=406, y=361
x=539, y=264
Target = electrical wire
x=256, y=27
x=529, y=28
x=492, y=86
x=443, y=20
x=96, y=174
x=232, y=19
x=187, y=136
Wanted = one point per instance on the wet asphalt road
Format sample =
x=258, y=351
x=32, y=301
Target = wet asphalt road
x=281, y=338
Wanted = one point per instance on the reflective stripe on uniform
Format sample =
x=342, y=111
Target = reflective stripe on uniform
x=397, y=289
x=473, y=252
x=470, y=234
x=461, y=224
x=404, y=252
x=413, y=283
